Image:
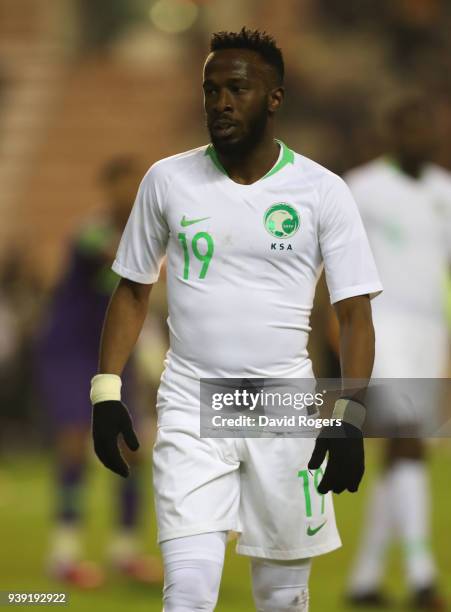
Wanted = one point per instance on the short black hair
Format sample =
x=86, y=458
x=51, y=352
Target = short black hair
x=260, y=42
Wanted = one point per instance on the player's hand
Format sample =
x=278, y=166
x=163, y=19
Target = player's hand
x=109, y=419
x=344, y=447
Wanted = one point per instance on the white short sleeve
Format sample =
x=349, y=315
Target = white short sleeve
x=348, y=260
x=448, y=234
x=143, y=243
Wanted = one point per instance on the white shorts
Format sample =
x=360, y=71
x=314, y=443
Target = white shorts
x=409, y=347
x=259, y=488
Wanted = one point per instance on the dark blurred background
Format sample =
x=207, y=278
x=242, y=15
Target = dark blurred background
x=83, y=81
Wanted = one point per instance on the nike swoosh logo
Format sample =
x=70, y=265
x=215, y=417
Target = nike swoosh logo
x=311, y=532
x=186, y=222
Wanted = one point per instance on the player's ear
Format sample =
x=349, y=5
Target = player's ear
x=275, y=99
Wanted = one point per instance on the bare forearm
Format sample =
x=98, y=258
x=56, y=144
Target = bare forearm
x=123, y=323
x=356, y=340
x=357, y=350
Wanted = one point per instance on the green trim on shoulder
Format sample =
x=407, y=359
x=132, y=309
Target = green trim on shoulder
x=287, y=157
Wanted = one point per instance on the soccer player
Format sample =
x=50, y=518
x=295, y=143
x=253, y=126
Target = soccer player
x=405, y=204
x=246, y=224
x=66, y=357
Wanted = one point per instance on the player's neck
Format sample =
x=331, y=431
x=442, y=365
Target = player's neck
x=412, y=167
x=252, y=166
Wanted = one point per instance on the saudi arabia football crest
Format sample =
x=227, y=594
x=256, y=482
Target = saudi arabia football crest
x=281, y=220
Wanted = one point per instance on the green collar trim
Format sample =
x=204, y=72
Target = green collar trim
x=391, y=161
x=287, y=157
x=211, y=152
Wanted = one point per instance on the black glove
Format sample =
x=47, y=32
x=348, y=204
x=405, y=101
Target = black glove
x=109, y=419
x=346, y=461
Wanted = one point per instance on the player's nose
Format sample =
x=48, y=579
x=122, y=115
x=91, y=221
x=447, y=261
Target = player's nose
x=223, y=102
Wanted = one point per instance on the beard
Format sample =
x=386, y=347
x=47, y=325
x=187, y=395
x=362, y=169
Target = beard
x=253, y=135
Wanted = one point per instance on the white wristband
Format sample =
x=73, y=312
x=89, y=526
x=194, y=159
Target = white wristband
x=105, y=387
x=350, y=412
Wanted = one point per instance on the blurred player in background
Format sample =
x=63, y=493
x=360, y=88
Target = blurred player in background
x=405, y=203
x=67, y=351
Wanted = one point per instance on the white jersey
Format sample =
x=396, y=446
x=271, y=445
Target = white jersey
x=243, y=260
x=409, y=227
x=242, y=265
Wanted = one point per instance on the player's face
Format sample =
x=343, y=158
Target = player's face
x=122, y=191
x=237, y=86
x=413, y=133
